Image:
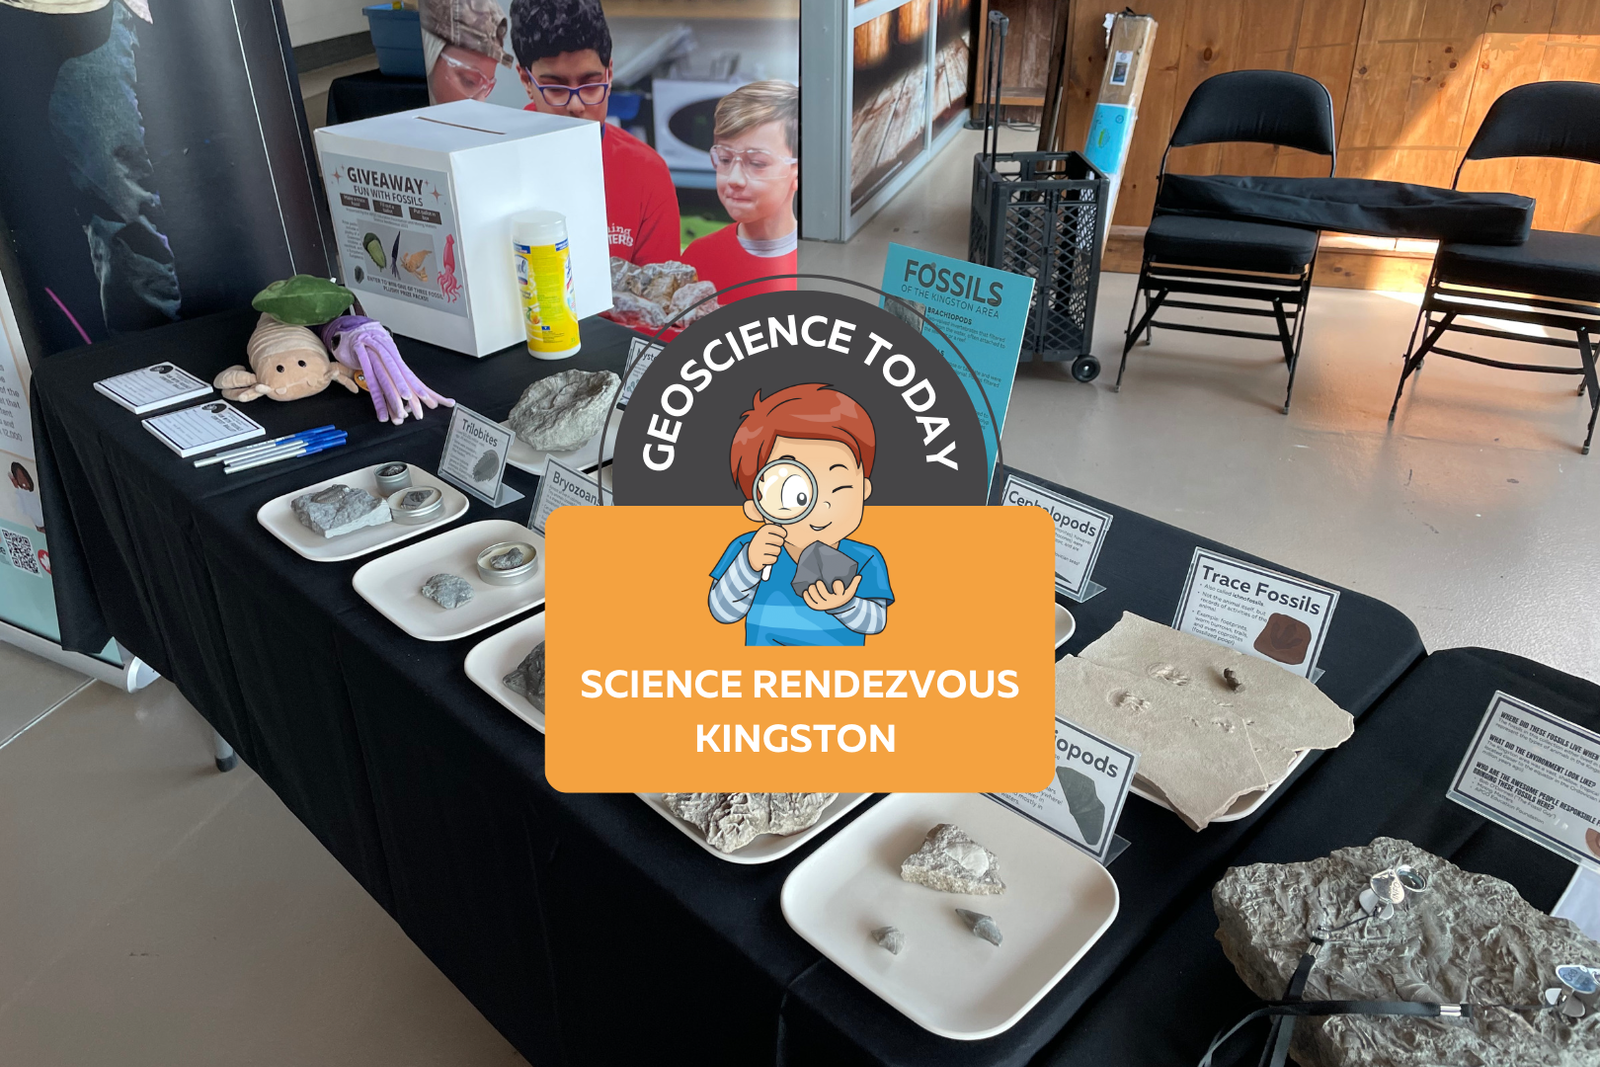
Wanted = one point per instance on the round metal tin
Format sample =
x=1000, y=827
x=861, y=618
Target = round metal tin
x=512, y=575
x=392, y=477
x=412, y=507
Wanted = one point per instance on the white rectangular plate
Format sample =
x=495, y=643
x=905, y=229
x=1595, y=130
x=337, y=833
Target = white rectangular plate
x=767, y=847
x=495, y=657
x=586, y=457
x=277, y=517
x=1056, y=905
x=393, y=583
x=1245, y=806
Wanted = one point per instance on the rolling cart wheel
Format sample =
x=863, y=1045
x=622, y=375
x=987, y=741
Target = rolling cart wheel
x=1086, y=368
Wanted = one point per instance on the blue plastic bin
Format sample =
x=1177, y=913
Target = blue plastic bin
x=397, y=38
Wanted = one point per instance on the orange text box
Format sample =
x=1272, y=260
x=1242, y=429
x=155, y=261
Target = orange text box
x=956, y=694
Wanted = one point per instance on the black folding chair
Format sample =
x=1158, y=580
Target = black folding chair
x=1551, y=280
x=1232, y=260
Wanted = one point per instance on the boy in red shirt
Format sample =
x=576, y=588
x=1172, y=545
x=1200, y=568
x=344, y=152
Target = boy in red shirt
x=563, y=50
x=757, y=131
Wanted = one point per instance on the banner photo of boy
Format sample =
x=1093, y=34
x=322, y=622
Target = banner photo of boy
x=756, y=158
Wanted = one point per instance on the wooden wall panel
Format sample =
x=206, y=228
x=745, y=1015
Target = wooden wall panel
x=1410, y=81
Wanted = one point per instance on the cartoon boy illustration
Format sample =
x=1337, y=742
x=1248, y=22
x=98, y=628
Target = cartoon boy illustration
x=803, y=456
x=756, y=141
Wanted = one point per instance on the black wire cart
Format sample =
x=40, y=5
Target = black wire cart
x=1039, y=214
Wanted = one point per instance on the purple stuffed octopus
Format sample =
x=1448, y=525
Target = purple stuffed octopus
x=365, y=344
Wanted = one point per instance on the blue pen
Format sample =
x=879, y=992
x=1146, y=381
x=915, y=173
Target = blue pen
x=262, y=446
x=274, y=457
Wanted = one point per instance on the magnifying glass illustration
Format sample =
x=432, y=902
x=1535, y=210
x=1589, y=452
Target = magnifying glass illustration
x=785, y=493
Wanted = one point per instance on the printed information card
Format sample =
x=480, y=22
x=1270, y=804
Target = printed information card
x=560, y=486
x=474, y=459
x=1258, y=611
x=641, y=353
x=1085, y=801
x=1080, y=533
x=1536, y=774
x=152, y=387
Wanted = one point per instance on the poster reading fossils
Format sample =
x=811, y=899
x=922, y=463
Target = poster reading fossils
x=396, y=231
x=1258, y=611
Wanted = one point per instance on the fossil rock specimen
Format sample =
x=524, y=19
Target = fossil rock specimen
x=510, y=558
x=731, y=821
x=1234, y=725
x=890, y=938
x=981, y=925
x=561, y=412
x=1470, y=937
x=339, y=509
x=447, y=590
x=528, y=678
x=952, y=862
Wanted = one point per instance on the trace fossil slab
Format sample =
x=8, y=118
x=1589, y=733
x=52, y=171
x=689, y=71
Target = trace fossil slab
x=1210, y=724
x=952, y=862
x=731, y=821
x=338, y=509
x=1469, y=938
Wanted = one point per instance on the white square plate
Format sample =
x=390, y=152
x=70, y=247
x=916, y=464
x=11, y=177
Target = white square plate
x=586, y=457
x=393, y=583
x=767, y=847
x=1056, y=905
x=277, y=517
x=495, y=657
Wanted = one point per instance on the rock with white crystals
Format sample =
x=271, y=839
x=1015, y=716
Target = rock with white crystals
x=338, y=509
x=1469, y=937
x=890, y=938
x=528, y=678
x=447, y=590
x=561, y=412
x=731, y=821
x=952, y=862
x=981, y=925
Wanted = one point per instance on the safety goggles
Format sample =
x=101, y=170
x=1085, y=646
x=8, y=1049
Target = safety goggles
x=757, y=163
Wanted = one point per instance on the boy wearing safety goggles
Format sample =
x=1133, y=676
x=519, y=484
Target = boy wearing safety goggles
x=802, y=457
x=563, y=50
x=757, y=134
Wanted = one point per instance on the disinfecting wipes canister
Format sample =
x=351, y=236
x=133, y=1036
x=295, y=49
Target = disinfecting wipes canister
x=544, y=271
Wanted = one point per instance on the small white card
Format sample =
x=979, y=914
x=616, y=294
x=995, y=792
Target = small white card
x=1581, y=901
x=1536, y=774
x=152, y=387
x=1080, y=533
x=641, y=353
x=561, y=486
x=1258, y=611
x=474, y=457
x=1085, y=800
x=203, y=428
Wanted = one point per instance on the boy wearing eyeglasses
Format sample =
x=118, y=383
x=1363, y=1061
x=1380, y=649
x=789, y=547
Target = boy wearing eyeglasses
x=756, y=137
x=563, y=50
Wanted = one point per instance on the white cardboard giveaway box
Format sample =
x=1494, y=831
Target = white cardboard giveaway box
x=422, y=201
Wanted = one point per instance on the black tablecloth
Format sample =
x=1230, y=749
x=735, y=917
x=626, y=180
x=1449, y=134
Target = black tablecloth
x=585, y=927
x=1387, y=781
x=370, y=93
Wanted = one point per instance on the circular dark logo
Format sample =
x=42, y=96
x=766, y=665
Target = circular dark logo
x=808, y=366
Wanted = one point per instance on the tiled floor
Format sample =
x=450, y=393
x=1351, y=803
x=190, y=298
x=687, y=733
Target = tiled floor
x=159, y=913
x=156, y=912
